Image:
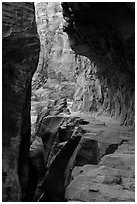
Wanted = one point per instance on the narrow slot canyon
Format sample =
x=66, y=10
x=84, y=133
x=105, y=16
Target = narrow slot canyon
x=68, y=102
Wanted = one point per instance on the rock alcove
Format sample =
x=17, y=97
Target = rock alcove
x=68, y=101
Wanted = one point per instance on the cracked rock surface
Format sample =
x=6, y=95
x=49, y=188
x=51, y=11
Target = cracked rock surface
x=112, y=179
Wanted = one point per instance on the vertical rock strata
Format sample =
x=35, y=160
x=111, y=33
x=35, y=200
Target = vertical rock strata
x=55, y=73
x=20, y=44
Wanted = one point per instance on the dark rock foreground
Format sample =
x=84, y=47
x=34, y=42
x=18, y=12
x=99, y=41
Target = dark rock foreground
x=20, y=55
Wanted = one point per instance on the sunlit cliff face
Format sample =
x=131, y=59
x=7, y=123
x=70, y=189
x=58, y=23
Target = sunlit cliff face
x=57, y=61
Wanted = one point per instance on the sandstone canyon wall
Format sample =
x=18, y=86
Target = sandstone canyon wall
x=104, y=33
x=20, y=56
x=98, y=75
x=55, y=73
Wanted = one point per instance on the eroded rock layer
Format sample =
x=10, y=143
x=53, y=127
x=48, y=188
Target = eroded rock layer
x=104, y=33
x=55, y=74
x=20, y=51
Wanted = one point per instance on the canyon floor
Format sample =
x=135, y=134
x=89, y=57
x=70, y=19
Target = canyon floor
x=113, y=179
x=110, y=176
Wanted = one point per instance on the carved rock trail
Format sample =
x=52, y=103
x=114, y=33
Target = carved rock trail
x=113, y=178
x=94, y=162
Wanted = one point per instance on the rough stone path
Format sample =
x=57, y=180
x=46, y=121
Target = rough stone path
x=113, y=178
x=100, y=168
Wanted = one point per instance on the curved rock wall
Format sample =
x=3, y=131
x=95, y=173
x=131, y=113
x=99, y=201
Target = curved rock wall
x=20, y=48
x=104, y=32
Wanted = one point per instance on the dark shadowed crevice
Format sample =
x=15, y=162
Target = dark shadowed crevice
x=53, y=183
x=111, y=149
x=20, y=47
x=23, y=161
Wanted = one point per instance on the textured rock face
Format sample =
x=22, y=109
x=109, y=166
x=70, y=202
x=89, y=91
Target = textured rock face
x=50, y=152
x=19, y=60
x=110, y=174
x=104, y=32
x=102, y=184
x=55, y=73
